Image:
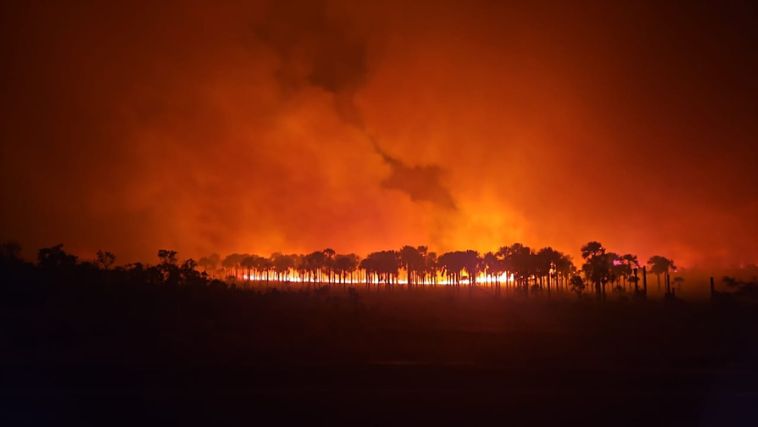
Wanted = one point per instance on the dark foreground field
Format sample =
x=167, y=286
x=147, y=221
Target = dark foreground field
x=211, y=355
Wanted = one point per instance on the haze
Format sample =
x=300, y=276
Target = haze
x=257, y=127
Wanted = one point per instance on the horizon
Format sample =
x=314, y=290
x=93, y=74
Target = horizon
x=30, y=255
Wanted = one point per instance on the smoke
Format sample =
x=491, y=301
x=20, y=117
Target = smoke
x=334, y=57
x=269, y=125
x=421, y=183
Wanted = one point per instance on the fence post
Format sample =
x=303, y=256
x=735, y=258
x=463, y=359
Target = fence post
x=712, y=288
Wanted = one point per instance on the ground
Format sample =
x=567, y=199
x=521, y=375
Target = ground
x=217, y=355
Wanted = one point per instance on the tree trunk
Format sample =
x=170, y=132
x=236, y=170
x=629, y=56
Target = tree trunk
x=644, y=281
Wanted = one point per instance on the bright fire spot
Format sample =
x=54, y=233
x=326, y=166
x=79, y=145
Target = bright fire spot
x=441, y=279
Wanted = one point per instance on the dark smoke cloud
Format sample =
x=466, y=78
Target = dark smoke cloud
x=335, y=58
x=421, y=183
x=316, y=49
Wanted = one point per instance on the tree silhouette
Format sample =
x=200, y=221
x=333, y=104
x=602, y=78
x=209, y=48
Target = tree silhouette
x=472, y=264
x=530, y=271
x=345, y=265
x=547, y=261
x=577, y=285
x=55, y=258
x=168, y=269
x=368, y=265
x=451, y=265
x=456, y=262
x=264, y=265
x=232, y=262
x=300, y=267
x=249, y=263
x=431, y=266
x=383, y=265
x=389, y=264
x=421, y=268
x=10, y=252
x=617, y=269
x=328, y=266
x=591, y=249
x=210, y=262
x=493, y=267
x=105, y=259
x=564, y=268
x=660, y=265
x=315, y=263
x=189, y=276
x=630, y=264
x=412, y=260
x=598, y=266
x=167, y=256
x=420, y=264
x=519, y=261
x=282, y=264
x=678, y=281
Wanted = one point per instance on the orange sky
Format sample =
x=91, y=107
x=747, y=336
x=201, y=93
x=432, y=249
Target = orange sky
x=259, y=127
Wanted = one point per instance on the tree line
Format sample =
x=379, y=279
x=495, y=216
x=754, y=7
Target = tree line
x=515, y=266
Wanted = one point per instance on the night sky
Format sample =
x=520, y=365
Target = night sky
x=265, y=126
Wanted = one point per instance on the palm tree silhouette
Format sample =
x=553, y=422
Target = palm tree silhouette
x=577, y=284
x=315, y=262
x=264, y=266
x=345, y=265
x=518, y=260
x=456, y=262
x=591, y=249
x=232, y=262
x=547, y=261
x=630, y=264
x=368, y=265
x=412, y=260
x=431, y=267
x=421, y=270
x=282, y=264
x=660, y=265
x=617, y=268
x=328, y=266
x=493, y=267
x=248, y=262
x=598, y=265
x=523, y=268
x=451, y=267
x=472, y=264
x=382, y=265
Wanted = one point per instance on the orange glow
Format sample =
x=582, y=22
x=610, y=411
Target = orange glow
x=257, y=127
x=481, y=279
